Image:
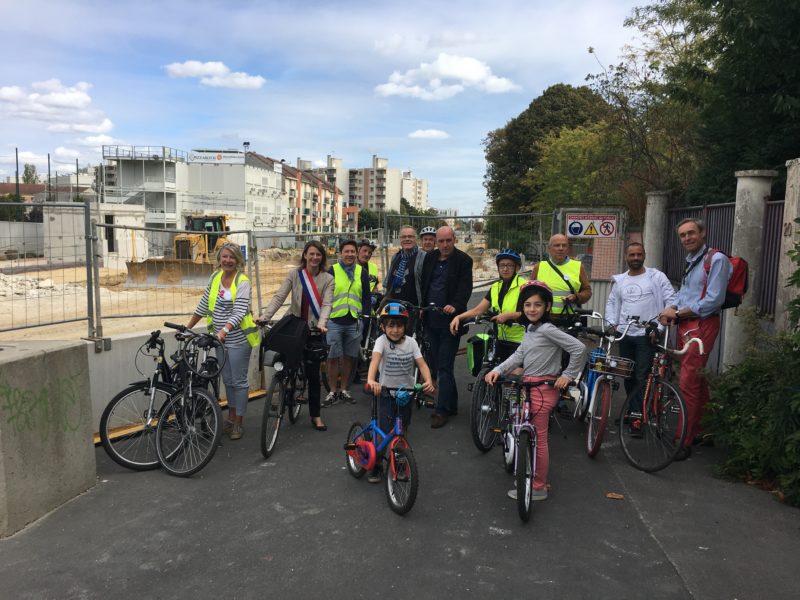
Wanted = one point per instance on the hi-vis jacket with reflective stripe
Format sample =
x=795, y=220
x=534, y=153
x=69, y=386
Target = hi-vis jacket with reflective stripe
x=346, y=293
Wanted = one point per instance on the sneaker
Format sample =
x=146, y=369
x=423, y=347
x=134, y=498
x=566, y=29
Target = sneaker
x=331, y=399
x=227, y=427
x=237, y=431
x=635, y=429
x=345, y=396
x=374, y=477
x=535, y=494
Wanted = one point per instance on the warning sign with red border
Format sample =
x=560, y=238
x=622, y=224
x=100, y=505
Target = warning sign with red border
x=592, y=225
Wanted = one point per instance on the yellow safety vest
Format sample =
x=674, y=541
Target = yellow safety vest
x=373, y=275
x=514, y=332
x=248, y=326
x=346, y=293
x=570, y=269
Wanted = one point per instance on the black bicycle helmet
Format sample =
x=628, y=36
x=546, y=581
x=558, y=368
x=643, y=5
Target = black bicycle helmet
x=510, y=254
x=366, y=242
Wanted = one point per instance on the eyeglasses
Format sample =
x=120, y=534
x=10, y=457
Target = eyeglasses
x=501, y=266
x=408, y=237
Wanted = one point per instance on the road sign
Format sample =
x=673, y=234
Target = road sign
x=591, y=225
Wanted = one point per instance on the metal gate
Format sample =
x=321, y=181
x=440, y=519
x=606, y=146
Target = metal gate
x=45, y=277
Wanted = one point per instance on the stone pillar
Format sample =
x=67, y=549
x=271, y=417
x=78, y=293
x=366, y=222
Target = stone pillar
x=655, y=221
x=790, y=235
x=753, y=189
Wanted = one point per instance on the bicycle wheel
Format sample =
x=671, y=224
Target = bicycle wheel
x=523, y=474
x=663, y=426
x=188, y=433
x=598, y=419
x=273, y=413
x=485, y=414
x=425, y=350
x=128, y=425
x=295, y=392
x=358, y=457
x=402, y=481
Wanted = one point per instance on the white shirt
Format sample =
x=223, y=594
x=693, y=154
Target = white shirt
x=397, y=361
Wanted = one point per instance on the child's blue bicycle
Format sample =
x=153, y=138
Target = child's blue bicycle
x=366, y=446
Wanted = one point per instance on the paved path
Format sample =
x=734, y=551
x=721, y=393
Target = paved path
x=299, y=526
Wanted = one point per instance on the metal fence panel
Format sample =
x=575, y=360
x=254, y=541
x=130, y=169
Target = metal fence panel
x=719, y=233
x=770, y=257
x=45, y=278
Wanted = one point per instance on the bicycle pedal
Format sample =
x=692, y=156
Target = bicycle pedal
x=470, y=386
x=497, y=430
x=349, y=447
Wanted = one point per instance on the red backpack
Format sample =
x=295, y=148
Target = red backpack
x=737, y=284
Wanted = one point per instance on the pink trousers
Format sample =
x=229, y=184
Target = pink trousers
x=543, y=399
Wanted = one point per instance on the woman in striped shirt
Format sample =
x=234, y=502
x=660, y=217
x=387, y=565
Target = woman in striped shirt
x=226, y=307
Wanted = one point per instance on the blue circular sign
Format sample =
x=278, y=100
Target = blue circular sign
x=575, y=228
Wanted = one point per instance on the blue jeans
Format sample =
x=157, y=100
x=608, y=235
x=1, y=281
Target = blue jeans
x=639, y=349
x=444, y=346
x=234, y=376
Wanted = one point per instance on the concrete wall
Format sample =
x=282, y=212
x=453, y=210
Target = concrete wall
x=46, y=451
x=21, y=239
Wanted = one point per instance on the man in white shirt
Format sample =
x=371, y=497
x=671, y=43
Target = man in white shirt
x=643, y=292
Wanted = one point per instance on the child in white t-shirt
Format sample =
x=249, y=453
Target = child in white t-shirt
x=395, y=355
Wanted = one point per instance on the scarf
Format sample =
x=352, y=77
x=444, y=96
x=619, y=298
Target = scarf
x=400, y=274
x=351, y=270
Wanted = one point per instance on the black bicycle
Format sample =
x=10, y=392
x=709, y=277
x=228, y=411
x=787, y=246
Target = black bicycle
x=190, y=424
x=287, y=390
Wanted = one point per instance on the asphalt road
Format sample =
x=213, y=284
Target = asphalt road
x=299, y=526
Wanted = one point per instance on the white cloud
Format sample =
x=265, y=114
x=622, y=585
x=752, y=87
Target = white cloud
x=429, y=134
x=96, y=140
x=68, y=108
x=445, y=77
x=62, y=152
x=215, y=74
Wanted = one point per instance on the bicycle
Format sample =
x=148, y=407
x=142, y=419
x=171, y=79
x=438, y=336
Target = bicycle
x=365, y=446
x=128, y=423
x=601, y=382
x=519, y=438
x=486, y=406
x=662, y=420
x=424, y=346
x=189, y=425
x=286, y=393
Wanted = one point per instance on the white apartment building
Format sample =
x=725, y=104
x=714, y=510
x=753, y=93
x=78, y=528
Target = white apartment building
x=165, y=185
x=414, y=190
x=376, y=188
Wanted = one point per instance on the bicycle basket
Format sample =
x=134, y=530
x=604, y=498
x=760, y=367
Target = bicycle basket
x=614, y=365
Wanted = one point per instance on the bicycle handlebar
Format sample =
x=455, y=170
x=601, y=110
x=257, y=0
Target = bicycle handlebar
x=417, y=387
x=518, y=380
x=685, y=349
x=181, y=328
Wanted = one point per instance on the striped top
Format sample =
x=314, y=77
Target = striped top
x=226, y=311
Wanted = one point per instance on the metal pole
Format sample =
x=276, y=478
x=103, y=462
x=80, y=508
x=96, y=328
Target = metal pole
x=96, y=273
x=16, y=154
x=77, y=180
x=252, y=243
x=49, y=183
x=87, y=229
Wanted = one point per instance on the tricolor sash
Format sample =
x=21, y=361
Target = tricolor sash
x=311, y=293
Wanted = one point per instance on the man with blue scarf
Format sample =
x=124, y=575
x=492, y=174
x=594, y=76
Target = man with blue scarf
x=404, y=281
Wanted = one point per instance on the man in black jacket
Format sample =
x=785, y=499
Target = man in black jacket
x=447, y=283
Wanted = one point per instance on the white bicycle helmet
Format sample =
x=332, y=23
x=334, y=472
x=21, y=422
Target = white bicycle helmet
x=427, y=231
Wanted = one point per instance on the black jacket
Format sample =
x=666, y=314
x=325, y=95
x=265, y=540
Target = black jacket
x=459, y=278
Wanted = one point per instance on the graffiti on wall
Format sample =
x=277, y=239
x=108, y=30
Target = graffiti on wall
x=54, y=407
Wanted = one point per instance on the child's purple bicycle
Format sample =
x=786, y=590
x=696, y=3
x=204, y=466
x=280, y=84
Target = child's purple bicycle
x=366, y=446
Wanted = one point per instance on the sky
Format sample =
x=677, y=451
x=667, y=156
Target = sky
x=420, y=83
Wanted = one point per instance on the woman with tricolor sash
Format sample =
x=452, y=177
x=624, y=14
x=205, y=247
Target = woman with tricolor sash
x=312, y=296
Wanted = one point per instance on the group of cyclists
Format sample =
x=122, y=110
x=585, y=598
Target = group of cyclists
x=334, y=301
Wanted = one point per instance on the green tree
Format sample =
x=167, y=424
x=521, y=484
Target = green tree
x=29, y=174
x=513, y=150
x=11, y=208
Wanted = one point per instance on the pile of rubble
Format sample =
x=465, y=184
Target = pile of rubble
x=30, y=287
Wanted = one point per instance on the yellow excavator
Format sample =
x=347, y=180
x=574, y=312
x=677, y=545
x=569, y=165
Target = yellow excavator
x=193, y=255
